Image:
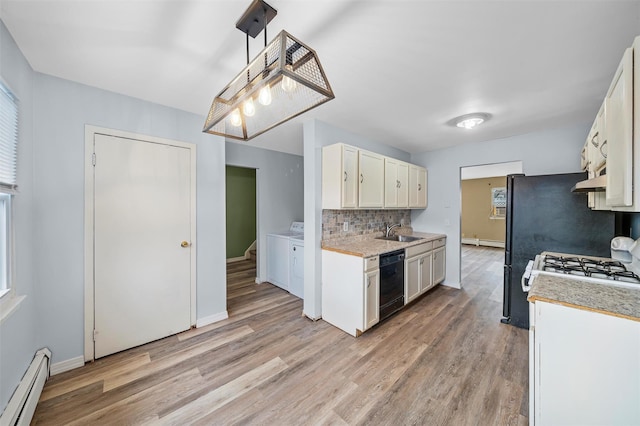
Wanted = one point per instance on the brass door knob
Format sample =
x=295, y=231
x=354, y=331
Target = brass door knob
x=184, y=244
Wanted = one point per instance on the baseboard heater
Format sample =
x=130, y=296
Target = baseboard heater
x=23, y=403
x=478, y=242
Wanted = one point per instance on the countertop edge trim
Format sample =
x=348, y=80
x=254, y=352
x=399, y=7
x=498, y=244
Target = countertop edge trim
x=534, y=299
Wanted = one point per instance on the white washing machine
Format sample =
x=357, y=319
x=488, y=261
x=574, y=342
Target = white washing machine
x=279, y=259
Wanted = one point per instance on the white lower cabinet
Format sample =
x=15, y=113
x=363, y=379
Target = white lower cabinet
x=584, y=367
x=371, y=298
x=424, y=267
x=426, y=271
x=350, y=291
x=439, y=265
x=412, y=274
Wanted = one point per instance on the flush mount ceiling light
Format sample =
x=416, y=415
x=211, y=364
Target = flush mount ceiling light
x=469, y=121
x=282, y=82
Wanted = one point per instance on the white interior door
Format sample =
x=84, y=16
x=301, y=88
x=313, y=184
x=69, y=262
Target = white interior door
x=142, y=242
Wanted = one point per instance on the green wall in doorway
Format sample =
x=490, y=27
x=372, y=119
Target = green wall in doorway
x=241, y=210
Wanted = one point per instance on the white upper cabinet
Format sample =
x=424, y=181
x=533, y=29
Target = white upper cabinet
x=619, y=134
x=595, y=161
x=417, y=187
x=371, y=178
x=339, y=177
x=396, y=179
x=353, y=178
x=613, y=144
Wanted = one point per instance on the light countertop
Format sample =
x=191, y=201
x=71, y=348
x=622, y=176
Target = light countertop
x=603, y=298
x=368, y=245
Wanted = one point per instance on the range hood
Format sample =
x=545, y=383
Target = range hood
x=595, y=184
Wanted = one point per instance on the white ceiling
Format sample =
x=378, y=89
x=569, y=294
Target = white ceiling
x=399, y=69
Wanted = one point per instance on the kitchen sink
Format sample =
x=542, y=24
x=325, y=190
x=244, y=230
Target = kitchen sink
x=401, y=238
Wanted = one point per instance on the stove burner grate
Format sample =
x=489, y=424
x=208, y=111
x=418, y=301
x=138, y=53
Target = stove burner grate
x=604, y=269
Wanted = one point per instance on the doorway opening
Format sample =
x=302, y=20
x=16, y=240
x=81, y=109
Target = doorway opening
x=483, y=224
x=241, y=231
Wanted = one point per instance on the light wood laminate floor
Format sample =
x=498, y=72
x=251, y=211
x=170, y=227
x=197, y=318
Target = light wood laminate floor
x=444, y=360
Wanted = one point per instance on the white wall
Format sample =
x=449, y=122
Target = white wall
x=544, y=152
x=316, y=135
x=50, y=207
x=18, y=332
x=62, y=108
x=280, y=191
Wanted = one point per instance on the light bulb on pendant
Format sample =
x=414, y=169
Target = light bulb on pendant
x=264, y=97
x=248, y=108
x=235, y=118
x=288, y=84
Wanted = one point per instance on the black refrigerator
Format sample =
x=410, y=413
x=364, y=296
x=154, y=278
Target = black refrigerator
x=544, y=215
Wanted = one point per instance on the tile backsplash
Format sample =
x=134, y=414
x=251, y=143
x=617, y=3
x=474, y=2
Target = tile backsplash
x=361, y=222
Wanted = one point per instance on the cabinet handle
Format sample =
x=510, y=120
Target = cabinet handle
x=294, y=249
x=345, y=176
x=368, y=282
x=397, y=184
x=604, y=154
x=593, y=140
x=361, y=178
x=419, y=187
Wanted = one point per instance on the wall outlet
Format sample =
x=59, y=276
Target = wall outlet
x=345, y=226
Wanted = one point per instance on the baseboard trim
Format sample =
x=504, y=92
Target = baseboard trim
x=66, y=365
x=486, y=243
x=451, y=284
x=212, y=318
x=236, y=259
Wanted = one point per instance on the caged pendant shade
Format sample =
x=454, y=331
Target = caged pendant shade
x=282, y=82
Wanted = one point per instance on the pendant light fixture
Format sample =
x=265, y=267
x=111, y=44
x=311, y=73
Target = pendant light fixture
x=282, y=82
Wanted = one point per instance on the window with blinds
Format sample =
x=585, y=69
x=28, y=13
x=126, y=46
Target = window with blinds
x=8, y=184
x=8, y=139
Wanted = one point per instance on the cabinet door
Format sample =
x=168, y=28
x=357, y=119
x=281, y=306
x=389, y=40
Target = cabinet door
x=586, y=368
x=403, y=185
x=371, y=298
x=390, y=182
x=412, y=278
x=426, y=277
x=438, y=265
x=417, y=187
x=350, y=177
x=371, y=178
x=619, y=133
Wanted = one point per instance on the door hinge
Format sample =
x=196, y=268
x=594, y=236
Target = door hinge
x=93, y=158
x=95, y=334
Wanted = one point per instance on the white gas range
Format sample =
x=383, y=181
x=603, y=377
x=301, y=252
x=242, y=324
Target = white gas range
x=583, y=268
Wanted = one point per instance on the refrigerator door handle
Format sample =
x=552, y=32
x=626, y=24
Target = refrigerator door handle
x=506, y=302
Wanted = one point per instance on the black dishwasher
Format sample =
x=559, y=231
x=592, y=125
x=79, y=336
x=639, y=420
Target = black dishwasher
x=391, y=283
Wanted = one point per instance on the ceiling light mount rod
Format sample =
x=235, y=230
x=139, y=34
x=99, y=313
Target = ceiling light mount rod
x=282, y=82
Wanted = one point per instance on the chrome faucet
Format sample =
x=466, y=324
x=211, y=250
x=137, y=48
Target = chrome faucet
x=390, y=227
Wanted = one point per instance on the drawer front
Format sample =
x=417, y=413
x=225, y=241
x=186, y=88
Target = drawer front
x=439, y=242
x=371, y=263
x=419, y=249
